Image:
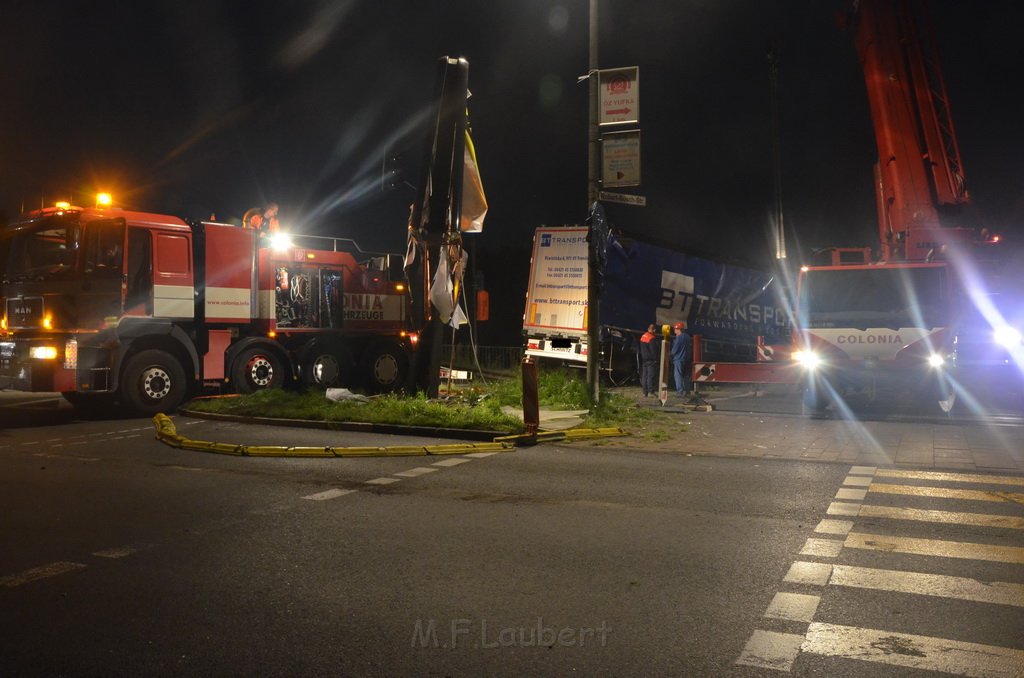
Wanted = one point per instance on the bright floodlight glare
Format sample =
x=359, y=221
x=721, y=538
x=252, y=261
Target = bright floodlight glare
x=104, y=200
x=808, y=359
x=1007, y=336
x=280, y=242
x=936, y=360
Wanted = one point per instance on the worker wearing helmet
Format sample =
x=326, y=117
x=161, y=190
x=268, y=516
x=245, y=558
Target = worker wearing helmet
x=682, y=358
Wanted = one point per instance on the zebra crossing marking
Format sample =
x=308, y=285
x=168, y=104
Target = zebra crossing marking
x=925, y=584
x=935, y=547
x=947, y=493
x=912, y=651
x=779, y=651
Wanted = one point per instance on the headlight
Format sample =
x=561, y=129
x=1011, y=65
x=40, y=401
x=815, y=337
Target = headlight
x=42, y=352
x=1007, y=336
x=936, y=360
x=808, y=359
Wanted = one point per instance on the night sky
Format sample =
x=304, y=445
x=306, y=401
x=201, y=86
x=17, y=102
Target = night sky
x=195, y=108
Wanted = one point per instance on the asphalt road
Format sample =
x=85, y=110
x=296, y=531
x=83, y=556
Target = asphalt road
x=122, y=556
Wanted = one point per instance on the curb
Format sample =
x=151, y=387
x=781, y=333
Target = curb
x=394, y=429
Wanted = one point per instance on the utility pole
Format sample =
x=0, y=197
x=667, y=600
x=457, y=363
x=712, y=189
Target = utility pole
x=773, y=76
x=593, y=298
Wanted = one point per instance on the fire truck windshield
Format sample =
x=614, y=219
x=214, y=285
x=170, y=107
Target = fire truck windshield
x=892, y=297
x=38, y=250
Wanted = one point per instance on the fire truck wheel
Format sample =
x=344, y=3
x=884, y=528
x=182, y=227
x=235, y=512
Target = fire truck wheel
x=153, y=381
x=386, y=368
x=256, y=369
x=328, y=365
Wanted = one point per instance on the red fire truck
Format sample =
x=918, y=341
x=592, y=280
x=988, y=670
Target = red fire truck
x=896, y=318
x=107, y=304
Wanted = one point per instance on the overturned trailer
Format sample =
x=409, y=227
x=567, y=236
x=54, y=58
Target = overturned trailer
x=736, y=313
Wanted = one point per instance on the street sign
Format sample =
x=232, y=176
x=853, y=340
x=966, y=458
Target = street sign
x=620, y=159
x=623, y=198
x=620, y=96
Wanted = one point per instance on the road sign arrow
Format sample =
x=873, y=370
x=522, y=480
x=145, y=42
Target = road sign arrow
x=619, y=111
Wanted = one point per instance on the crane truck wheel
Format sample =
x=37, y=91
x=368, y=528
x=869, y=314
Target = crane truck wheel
x=153, y=381
x=257, y=368
x=386, y=368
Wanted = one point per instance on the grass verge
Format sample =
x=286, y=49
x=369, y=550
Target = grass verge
x=470, y=407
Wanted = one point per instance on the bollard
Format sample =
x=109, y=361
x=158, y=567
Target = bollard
x=531, y=404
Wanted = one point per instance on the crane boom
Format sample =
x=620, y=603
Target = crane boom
x=920, y=183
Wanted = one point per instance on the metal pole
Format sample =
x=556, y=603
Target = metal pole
x=593, y=301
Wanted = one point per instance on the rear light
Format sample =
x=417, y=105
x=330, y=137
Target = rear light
x=71, y=354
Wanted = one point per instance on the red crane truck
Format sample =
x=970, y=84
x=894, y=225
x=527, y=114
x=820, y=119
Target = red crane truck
x=865, y=321
x=105, y=304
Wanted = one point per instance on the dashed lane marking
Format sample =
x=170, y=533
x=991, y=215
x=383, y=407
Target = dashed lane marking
x=912, y=651
x=41, y=572
x=828, y=526
x=822, y=548
x=419, y=471
x=771, y=650
x=793, y=607
x=854, y=495
x=857, y=481
x=935, y=547
x=481, y=455
x=815, y=574
x=382, y=481
x=116, y=552
x=328, y=494
x=452, y=462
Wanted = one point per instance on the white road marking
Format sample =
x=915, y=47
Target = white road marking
x=802, y=572
x=41, y=572
x=452, y=462
x=793, y=607
x=863, y=470
x=823, y=548
x=51, y=455
x=328, y=494
x=481, y=455
x=855, y=495
x=919, y=652
x=935, y=547
x=418, y=471
x=922, y=584
x=116, y=552
x=771, y=650
x=382, y=481
x=933, y=516
x=857, y=481
x=828, y=526
x=946, y=493
x=137, y=435
x=953, y=477
x=838, y=508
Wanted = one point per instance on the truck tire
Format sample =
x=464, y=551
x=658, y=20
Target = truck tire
x=386, y=368
x=815, y=401
x=326, y=365
x=257, y=368
x=153, y=381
